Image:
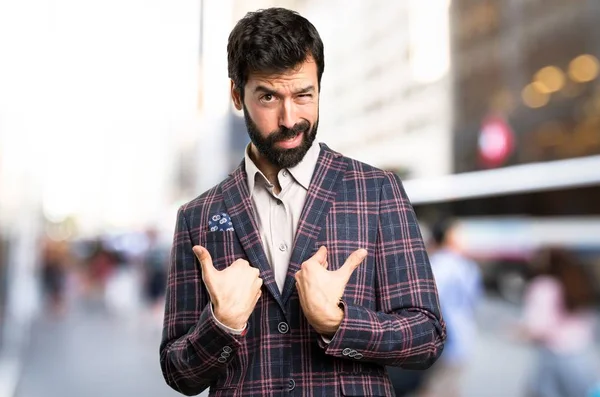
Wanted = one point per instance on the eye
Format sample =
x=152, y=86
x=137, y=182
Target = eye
x=304, y=97
x=267, y=98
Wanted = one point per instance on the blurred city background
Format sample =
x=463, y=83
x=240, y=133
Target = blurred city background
x=114, y=113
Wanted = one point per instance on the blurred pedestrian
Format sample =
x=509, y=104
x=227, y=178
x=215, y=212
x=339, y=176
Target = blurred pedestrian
x=460, y=288
x=101, y=264
x=155, y=265
x=558, y=320
x=54, y=275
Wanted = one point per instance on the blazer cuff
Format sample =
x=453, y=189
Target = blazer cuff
x=213, y=346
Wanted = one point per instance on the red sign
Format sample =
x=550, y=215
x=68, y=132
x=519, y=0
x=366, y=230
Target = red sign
x=496, y=142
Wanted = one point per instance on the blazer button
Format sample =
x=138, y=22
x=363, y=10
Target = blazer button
x=222, y=359
x=283, y=328
x=291, y=385
x=227, y=349
x=346, y=351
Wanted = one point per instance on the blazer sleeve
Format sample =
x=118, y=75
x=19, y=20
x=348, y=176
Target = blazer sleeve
x=194, y=350
x=407, y=329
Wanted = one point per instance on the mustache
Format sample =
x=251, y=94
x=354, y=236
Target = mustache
x=284, y=133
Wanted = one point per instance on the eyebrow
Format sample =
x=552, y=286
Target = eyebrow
x=305, y=90
x=265, y=90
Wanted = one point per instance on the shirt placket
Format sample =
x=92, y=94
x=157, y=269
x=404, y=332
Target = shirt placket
x=281, y=231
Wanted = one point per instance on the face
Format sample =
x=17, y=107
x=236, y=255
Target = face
x=281, y=113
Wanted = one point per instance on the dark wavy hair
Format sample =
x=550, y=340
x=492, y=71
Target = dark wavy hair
x=272, y=41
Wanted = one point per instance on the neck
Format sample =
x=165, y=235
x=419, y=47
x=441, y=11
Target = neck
x=268, y=169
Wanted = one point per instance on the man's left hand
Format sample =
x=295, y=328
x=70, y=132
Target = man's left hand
x=320, y=290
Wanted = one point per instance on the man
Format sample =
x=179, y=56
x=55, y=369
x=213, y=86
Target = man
x=304, y=272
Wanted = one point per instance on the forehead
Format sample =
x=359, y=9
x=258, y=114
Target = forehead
x=301, y=75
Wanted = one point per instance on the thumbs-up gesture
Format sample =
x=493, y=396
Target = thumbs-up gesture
x=233, y=291
x=320, y=290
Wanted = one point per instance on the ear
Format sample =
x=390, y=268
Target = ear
x=236, y=96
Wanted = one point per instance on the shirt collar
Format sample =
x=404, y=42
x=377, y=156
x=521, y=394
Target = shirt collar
x=302, y=172
x=252, y=171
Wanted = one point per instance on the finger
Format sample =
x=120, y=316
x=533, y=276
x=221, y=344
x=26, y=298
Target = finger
x=257, y=297
x=241, y=262
x=300, y=294
x=353, y=261
x=205, y=260
x=321, y=255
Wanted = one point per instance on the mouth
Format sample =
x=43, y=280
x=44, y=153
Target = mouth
x=290, y=143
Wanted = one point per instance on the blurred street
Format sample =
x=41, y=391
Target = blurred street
x=90, y=353
x=500, y=366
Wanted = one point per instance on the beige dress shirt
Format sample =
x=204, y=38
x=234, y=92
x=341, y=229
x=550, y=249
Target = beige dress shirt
x=277, y=215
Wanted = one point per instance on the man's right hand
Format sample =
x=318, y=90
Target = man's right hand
x=233, y=291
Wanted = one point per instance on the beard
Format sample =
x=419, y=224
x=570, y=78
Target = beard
x=282, y=158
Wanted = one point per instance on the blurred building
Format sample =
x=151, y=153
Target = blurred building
x=525, y=63
x=386, y=88
x=89, y=121
x=526, y=109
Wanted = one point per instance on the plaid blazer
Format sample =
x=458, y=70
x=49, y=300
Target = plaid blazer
x=392, y=314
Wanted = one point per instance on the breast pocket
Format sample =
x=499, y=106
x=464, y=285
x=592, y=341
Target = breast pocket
x=224, y=248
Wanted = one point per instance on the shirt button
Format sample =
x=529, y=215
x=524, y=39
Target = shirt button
x=291, y=385
x=283, y=328
x=279, y=202
x=284, y=173
x=282, y=247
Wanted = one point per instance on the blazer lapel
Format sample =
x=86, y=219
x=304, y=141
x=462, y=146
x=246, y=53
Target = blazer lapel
x=321, y=194
x=239, y=206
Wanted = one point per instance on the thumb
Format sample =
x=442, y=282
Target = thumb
x=205, y=260
x=353, y=261
x=321, y=256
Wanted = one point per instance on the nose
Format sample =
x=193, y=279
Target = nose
x=288, y=116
